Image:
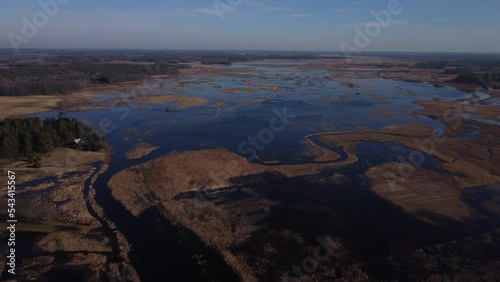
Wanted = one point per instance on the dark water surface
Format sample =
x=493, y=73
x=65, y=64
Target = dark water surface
x=320, y=103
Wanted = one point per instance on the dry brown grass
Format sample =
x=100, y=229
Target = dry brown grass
x=444, y=110
x=89, y=265
x=410, y=131
x=65, y=157
x=14, y=106
x=468, y=158
x=25, y=105
x=472, y=175
x=157, y=182
x=424, y=190
x=54, y=204
x=389, y=68
x=183, y=102
x=195, y=170
x=321, y=153
x=274, y=88
x=219, y=103
x=251, y=102
x=142, y=149
x=61, y=198
x=237, y=90
x=346, y=139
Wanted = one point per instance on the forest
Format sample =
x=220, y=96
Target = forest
x=49, y=72
x=28, y=137
x=27, y=79
x=493, y=79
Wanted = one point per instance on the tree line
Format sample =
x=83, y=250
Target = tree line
x=493, y=79
x=20, y=80
x=27, y=137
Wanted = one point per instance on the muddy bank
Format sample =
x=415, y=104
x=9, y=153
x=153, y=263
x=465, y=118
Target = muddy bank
x=142, y=149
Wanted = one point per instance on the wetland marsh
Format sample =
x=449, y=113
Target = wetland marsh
x=235, y=172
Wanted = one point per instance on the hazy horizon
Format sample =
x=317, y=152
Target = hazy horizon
x=247, y=50
x=298, y=25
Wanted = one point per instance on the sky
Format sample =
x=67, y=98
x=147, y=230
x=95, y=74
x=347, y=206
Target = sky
x=327, y=25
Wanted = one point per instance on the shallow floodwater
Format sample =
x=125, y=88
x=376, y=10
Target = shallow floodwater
x=319, y=102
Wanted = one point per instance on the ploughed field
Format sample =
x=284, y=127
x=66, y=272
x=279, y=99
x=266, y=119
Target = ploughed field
x=285, y=171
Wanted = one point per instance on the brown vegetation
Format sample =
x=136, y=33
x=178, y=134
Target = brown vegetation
x=322, y=154
x=237, y=90
x=448, y=111
x=142, y=149
x=183, y=102
x=158, y=182
x=232, y=224
x=220, y=103
x=425, y=190
x=25, y=105
x=55, y=215
x=469, y=159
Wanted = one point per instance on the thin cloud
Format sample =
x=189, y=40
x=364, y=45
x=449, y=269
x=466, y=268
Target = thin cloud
x=214, y=12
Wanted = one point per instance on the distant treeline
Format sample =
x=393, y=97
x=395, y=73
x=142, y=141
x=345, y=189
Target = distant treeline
x=483, y=79
x=26, y=137
x=20, y=80
x=481, y=70
x=45, y=72
x=226, y=59
x=465, y=64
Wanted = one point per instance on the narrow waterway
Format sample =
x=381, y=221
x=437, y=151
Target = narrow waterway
x=161, y=249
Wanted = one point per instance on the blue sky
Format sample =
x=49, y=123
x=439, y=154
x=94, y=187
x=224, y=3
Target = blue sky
x=423, y=25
